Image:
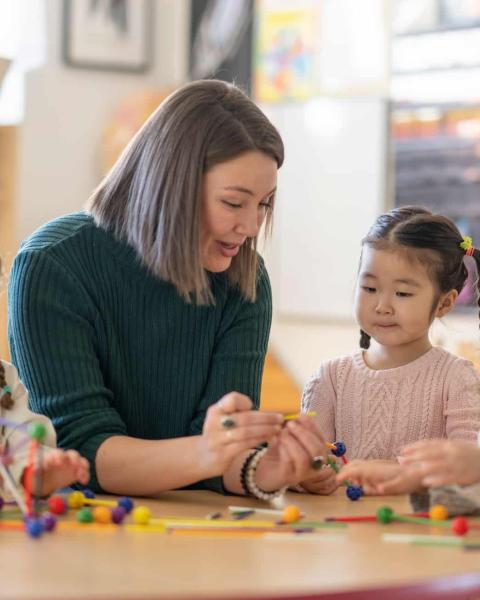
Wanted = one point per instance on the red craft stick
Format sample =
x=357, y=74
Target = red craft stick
x=369, y=518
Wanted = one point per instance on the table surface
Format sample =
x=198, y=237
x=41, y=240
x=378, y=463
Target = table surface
x=118, y=563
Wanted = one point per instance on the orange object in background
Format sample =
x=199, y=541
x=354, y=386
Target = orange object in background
x=279, y=392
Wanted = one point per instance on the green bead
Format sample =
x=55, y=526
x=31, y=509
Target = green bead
x=85, y=515
x=7, y=389
x=37, y=431
x=385, y=514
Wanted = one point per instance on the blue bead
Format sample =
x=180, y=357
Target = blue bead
x=126, y=503
x=340, y=449
x=34, y=527
x=354, y=492
x=88, y=493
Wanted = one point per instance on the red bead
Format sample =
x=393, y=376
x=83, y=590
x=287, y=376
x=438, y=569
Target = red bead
x=459, y=525
x=57, y=505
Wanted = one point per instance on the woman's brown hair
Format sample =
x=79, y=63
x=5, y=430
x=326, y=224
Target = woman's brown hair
x=151, y=198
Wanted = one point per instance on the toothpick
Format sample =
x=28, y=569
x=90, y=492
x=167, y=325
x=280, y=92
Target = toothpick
x=293, y=416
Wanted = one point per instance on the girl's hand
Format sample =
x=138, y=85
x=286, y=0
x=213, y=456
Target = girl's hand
x=232, y=427
x=444, y=462
x=62, y=468
x=379, y=477
x=289, y=460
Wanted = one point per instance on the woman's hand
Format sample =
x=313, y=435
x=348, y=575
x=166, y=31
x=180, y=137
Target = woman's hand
x=444, y=462
x=380, y=477
x=290, y=459
x=232, y=427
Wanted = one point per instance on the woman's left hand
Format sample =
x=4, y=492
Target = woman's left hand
x=290, y=459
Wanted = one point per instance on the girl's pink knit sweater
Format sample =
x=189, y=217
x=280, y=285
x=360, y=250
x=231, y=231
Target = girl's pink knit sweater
x=376, y=413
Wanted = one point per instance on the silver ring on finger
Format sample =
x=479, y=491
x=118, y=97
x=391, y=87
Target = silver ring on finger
x=227, y=422
x=317, y=462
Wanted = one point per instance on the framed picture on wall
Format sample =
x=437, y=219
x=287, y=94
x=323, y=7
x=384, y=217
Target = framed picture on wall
x=113, y=35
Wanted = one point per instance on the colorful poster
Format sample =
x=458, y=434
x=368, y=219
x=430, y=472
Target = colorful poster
x=284, y=50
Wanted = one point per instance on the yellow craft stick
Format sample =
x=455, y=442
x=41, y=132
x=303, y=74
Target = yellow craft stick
x=220, y=533
x=98, y=502
x=216, y=524
x=145, y=528
x=293, y=416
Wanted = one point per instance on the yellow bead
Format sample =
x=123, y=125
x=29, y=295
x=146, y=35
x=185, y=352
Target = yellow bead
x=438, y=512
x=291, y=514
x=141, y=515
x=75, y=500
x=102, y=514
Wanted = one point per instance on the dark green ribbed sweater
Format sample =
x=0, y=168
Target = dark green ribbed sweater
x=106, y=349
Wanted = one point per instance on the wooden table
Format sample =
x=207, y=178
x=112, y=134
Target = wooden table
x=116, y=563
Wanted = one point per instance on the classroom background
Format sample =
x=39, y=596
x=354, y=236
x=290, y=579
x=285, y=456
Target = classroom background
x=378, y=102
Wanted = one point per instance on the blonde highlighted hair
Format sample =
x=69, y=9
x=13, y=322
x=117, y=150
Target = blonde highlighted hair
x=151, y=198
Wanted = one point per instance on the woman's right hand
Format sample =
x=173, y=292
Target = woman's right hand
x=220, y=443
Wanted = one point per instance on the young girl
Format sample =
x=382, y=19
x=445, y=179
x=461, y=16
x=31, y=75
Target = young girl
x=399, y=389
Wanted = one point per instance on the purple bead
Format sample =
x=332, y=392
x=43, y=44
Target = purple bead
x=49, y=521
x=118, y=514
x=34, y=527
x=340, y=449
x=126, y=503
x=88, y=493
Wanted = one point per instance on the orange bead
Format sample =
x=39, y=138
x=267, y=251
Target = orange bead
x=291, y=514
x=438, y=512
x=102, y=514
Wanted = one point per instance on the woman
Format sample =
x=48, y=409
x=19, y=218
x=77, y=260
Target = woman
x=140, y=327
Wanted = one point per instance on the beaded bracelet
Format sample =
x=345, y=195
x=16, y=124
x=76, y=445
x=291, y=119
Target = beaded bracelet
x=248, y=482
x=243, y=472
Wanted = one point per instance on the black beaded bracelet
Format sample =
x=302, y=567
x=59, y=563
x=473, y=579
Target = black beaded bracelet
x=243, y=472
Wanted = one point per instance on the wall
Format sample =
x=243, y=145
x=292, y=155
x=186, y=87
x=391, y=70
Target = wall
x=67, y=108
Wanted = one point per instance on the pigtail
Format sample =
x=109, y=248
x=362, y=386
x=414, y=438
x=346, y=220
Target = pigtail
x=476, y=257
x=6, y=400
x=364, y=340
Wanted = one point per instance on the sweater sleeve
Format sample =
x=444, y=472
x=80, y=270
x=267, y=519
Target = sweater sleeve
x=462, y=410
x=239, y=355
x=52, y=333
x=319, y=396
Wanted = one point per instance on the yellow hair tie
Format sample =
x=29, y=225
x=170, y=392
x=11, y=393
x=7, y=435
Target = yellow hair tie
x=467, y=243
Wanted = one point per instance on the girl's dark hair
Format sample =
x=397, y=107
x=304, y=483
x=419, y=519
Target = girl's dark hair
x=151, y=198
x=433, y=240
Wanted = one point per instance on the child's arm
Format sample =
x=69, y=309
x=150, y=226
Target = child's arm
x=59, y=469
x=15, y=440
x=381, y=477
x=462, y=409
x=319, y=396
x=444, y=462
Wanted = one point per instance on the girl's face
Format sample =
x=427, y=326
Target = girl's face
x=236, y=197
x=395, y=299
